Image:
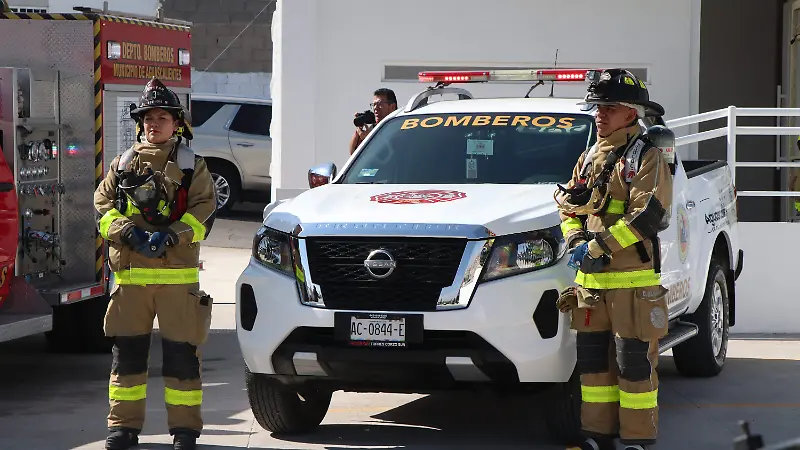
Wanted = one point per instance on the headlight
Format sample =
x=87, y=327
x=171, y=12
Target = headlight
x=273, y=249
x=521, y=253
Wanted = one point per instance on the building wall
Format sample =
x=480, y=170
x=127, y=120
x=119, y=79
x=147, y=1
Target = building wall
x=245, y=68
x=140, y=7
x=740, y=65
x=329, y=71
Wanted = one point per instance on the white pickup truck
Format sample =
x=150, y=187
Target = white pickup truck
x=434, y=259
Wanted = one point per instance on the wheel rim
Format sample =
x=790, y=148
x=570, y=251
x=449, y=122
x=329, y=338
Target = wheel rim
x=717, y=319
x=223, y=189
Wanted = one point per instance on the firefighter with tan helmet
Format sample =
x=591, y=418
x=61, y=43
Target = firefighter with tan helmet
x=156, y=204
x=612, y=209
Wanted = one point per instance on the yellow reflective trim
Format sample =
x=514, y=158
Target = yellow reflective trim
x=198, y=228
x=107, y=219
x=128, y=394
x=143, y=276
x=618, y=280
x=797, y=206
x=183, y=398
x=573, y=223
x=299, y=274
x=616, y=207
x=623, y=234
x=130, y=208
x=644, y=400
x=600, y=394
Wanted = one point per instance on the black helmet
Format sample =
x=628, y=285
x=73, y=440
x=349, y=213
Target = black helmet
x=157, y=95
x=613, y=86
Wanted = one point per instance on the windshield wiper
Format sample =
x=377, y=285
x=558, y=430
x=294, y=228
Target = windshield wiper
x=372, y=182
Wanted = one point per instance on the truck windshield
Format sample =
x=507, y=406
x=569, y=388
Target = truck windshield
x=500, y=148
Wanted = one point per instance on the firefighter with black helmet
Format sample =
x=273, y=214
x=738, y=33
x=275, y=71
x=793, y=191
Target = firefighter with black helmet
x=155, y=205
x=612, y=209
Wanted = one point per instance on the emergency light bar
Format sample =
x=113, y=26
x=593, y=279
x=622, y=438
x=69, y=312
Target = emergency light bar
x=559, y=75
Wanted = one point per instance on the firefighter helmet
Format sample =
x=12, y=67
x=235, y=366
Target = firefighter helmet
x=157, y=95
x=619, y=86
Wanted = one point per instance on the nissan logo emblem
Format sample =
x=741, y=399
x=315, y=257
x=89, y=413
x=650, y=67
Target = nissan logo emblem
x=380, y=263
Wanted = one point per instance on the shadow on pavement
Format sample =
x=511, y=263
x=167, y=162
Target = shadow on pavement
x=696, y=414
x=50, y=401
x=56, y=402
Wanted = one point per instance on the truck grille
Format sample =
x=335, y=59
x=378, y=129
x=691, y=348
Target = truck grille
x=424, y=267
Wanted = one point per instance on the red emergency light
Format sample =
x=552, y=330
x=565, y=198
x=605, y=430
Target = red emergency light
x=556, y=75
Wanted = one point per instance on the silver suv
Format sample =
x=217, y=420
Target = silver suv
x=232, y=134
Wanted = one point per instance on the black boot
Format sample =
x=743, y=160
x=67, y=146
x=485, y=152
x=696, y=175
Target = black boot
x=122, y=438
x=184, y=439
x=596, y=444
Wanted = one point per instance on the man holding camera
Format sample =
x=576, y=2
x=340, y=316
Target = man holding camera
x=383, y=103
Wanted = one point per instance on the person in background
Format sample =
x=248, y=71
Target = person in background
x=384, y=102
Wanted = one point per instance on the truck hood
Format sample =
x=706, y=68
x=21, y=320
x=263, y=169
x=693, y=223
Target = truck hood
x=502, y=209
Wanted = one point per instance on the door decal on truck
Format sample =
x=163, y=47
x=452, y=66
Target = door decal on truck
x=417, y=197
x=683, y=233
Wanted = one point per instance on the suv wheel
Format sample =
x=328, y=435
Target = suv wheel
x=282, y=409
x=226, y=182
x=562, y=408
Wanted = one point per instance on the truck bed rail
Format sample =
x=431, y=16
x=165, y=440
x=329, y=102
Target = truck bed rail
x=731, y=130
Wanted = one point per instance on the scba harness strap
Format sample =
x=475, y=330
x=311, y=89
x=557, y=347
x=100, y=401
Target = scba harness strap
x=631, y=155
x=186, y=160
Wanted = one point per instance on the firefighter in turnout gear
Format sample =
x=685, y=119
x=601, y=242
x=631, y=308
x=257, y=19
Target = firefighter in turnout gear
x=155, y=206
x=612, y=209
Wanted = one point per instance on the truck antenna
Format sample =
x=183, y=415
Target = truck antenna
x=553, y=84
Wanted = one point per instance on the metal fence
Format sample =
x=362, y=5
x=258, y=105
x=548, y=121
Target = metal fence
x=732, y=130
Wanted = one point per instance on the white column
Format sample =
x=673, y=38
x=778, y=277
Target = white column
x=294, y=96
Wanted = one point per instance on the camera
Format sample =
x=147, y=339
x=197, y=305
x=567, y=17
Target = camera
x=364, y=118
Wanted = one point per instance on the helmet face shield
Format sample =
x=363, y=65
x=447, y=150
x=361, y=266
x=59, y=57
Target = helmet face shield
x=145, y=193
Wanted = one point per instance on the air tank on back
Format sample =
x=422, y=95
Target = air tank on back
x=663, y=138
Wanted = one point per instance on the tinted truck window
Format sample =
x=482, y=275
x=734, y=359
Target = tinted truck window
x=502, y=148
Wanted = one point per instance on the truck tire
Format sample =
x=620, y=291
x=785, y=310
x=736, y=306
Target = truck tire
x=562, y=411
x=78, y=328
x=704, y=354
x=65, y=337
x=279, y=409
x=93, y=337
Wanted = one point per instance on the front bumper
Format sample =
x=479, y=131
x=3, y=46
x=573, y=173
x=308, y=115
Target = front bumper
x=511, y=332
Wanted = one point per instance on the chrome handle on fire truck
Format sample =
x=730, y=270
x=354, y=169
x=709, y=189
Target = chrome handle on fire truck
x=689, y=204
x=244, y=144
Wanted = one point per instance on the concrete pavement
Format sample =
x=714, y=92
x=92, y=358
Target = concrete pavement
x=55, y=402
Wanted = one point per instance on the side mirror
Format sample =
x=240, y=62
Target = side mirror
x=320, y=175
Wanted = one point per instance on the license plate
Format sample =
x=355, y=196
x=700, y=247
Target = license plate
x=378, y=331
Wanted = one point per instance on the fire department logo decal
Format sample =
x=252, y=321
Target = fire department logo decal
x=683, y=233
x=417, y=197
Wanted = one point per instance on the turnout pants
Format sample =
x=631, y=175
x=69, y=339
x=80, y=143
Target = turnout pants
x=617, y=346
x=184, y=317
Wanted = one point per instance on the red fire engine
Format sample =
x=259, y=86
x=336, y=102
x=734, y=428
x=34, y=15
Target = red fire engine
x=66, y=82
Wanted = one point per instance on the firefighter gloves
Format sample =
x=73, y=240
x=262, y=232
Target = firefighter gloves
x=139, y=241
x=160, y=240
x=577, y=255
x=568, y=300
x=582, y=259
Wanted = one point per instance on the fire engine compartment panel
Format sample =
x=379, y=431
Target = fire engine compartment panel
x=47, y=121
